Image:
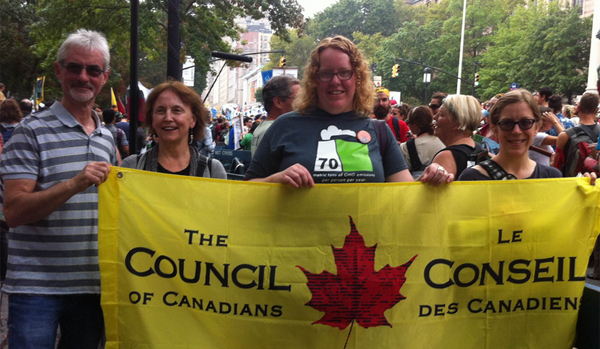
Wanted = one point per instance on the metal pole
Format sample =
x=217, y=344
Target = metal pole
x=133, y=73
x=594, y=51
x=173, y=42
x=425, y=99
x=474, y=72
x=462, y=44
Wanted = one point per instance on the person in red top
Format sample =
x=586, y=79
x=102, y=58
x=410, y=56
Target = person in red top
x=381, y=109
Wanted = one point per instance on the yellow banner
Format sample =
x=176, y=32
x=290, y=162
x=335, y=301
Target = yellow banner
x=204, y=263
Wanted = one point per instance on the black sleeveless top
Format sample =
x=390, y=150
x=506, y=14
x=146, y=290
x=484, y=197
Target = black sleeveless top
x=461, y=153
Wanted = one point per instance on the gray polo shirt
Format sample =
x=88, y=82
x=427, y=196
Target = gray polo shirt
x=58, y=254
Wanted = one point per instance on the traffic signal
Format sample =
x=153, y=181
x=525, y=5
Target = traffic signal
x=476, y=79
x=282, y=62
x=396, y=70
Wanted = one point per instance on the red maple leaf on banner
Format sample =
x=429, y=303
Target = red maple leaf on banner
x=358, y=292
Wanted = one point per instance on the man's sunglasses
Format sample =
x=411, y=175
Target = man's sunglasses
x=91, y=70
x=434, y=106
x=524, y=124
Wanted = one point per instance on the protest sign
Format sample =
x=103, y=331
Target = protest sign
x=204, y=263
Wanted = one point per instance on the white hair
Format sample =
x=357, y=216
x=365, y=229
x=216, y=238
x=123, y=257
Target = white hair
x=87, y=39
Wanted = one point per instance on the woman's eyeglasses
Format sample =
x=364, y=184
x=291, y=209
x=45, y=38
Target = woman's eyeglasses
x=524, y=124
x=91, y=70
x=328, y=76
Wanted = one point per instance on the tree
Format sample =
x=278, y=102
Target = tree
x=18, y=64
x=348, y=16
x=258, y=95
x=539, y=46
x=297, y=51
x=204, y=24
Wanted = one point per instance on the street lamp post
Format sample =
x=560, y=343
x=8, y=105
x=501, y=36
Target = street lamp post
x=426, y=82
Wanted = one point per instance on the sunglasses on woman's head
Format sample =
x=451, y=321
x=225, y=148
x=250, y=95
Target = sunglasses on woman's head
x=91, y=70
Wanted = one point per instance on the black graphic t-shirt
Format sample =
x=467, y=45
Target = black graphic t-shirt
x=329, y=147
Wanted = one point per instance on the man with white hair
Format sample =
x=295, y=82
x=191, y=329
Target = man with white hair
x=51, y=170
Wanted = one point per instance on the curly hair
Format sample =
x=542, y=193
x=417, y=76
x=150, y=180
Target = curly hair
x=187, y=96
x=362, y=102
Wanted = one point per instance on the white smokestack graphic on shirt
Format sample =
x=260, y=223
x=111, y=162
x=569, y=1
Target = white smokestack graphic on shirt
x=334, y=131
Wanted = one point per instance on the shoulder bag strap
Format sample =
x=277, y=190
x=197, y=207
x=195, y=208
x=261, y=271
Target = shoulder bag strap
x=415, y=162
x=495, y=171
x=381, y=134
x=202, y=163
x=396, y=124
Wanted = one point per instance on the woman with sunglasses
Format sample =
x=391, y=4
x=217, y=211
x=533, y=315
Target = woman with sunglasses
x=515, y=120
x=330, y=138
x=176, y=116
x=457, y=119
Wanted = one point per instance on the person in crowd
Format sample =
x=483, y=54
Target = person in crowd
x=52, y=280
x=543, y=96
x=400, y=111
x=141, y=137
x=119, y=135
x=246, y=142
x=205, y=146
x=176, y=115
x=569, y=112
x=10, y=117
x=26, y=106
x=555, y=103
x=329, y=138
x=2, y=97
x=419, y=151
x=455, y=122
x=382, y=111
x=486, y=130
x=541, y=149
x=278, y=95
x=436, y=102
x=516, y=120
x=588, y=128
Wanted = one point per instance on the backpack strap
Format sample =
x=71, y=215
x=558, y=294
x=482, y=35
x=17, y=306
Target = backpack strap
x=396, y=124
x=415, y=162
x=495, y=171
x=381, y=133
x=203, y=161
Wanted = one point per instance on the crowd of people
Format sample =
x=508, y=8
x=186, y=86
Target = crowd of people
x=331, y=127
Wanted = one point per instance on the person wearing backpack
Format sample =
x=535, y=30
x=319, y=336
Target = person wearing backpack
x=419, y=151
x=515, y=119
x=382, y=111
x=175, y=114
x=573, y=145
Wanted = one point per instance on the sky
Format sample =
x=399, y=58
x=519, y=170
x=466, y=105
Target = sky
x=311, y=7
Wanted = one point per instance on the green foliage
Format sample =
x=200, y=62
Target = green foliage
x=35, y=28
x=18, y=64
x=348, y=16
x=258, y=95
x=539, y=46
x=297, y=51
